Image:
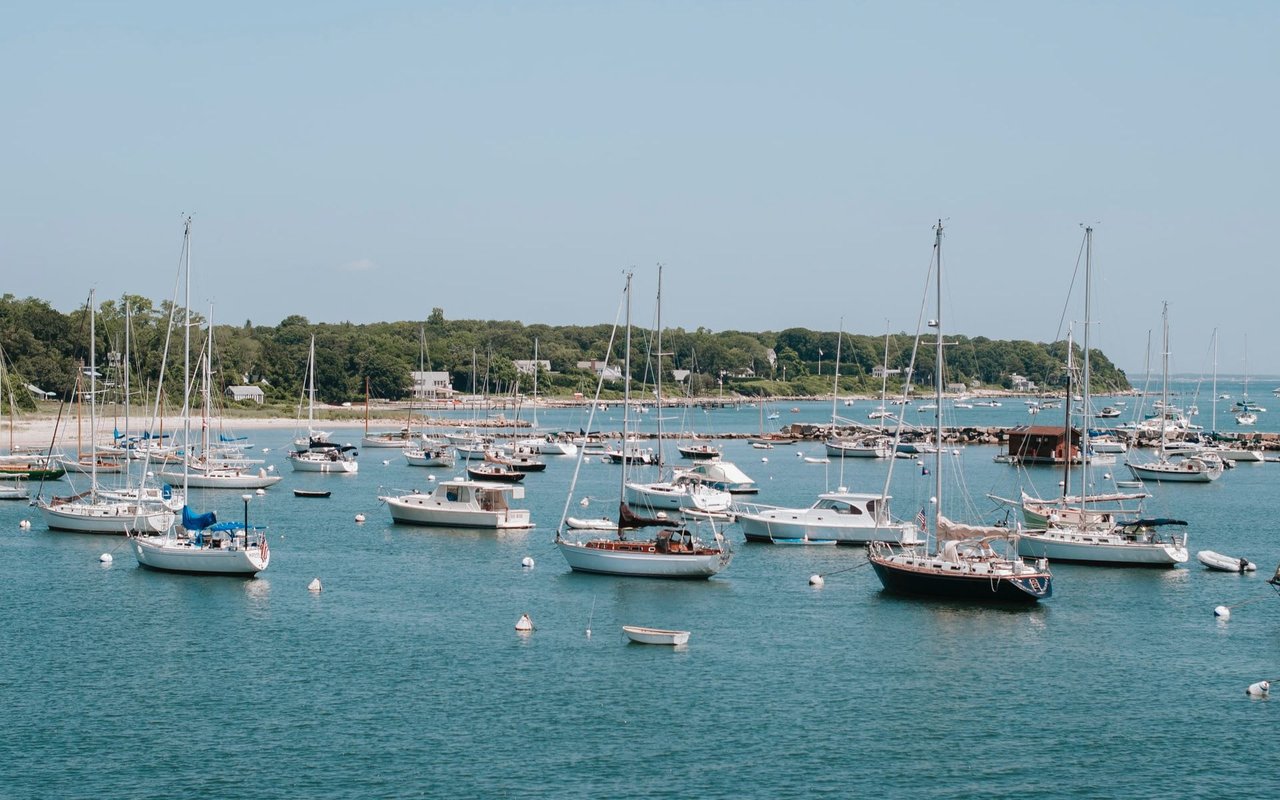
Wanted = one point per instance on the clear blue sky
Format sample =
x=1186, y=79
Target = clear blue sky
x=785, y=161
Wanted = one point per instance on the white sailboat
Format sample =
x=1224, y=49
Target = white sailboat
x=967, y=564
x=320, y=455
x=91, y=511
x=680, y=492
x=210, y=468
x=671, y=553
x=1083, y=529
x=1179, y=468
x=199, y=544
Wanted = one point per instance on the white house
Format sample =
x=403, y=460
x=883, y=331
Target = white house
x=602, y=368
x=1020, y=383
x=253, y=393
x=431, y=385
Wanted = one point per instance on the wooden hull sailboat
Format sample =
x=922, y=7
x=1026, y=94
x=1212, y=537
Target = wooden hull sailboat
x=967, y=565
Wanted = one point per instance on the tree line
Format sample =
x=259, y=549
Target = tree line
x=46, y=348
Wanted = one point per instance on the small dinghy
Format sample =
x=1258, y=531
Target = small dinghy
x=1223, y=563
x=813, y=460
x=598, y=524
x=311, y=493
x=641, y=635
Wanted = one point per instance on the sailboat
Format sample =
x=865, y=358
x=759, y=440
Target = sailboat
x=91, y=511
x=1246, y=412
x=319, y=454
x=671, y=553
x=1180, y=468
x=966, y=564
x=544, y=444
x=16, y=489
x=199, y=544
x=681, y=492
x=1081, y=528
x=425, y=451
x=874, y=445
x=212, y=467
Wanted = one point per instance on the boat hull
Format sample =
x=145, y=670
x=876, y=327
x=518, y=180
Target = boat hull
x=171, y=555
x=583, y=558
x=800, y=525
x=425, y=510
x=1174, y=473
x=224, y=479
x=324, y=466
x=106, y=518
x=642, y=635
x=900, y=579
x=1079, y=549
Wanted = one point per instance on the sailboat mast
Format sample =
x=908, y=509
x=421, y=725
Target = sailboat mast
x=186, y=362
x=1215, y=381
x=535, y=384
x=311, y=385
x=626, y=397
x=658, y=375
x=937, y=385
x=127, y=325
x=1164, y=383
x=1066, y=423
x=1086, y=376
x=93, y=399
x=206, y=399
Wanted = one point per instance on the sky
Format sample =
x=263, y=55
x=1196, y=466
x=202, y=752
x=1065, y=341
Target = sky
x=784, y=161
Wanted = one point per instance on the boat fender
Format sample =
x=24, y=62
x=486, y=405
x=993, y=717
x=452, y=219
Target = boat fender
x=1222, y=612
x=1259, y=689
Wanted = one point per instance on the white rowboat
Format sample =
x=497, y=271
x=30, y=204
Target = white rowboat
x=655, y=635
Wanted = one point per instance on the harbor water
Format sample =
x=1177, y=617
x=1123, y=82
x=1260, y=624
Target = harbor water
x=405, y=677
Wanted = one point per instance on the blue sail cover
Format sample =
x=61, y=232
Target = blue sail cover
x=197, y=522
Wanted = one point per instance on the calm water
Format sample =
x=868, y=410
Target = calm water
x=405, y=677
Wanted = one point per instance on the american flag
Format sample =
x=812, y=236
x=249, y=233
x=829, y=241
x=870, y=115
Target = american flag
x=922, y=520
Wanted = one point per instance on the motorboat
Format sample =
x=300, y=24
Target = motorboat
x=835, y=518
x=723, y=475
x=461, y=504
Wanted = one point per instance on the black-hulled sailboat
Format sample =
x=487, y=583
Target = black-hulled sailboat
x=969, y=562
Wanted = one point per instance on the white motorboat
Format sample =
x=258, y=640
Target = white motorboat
x=462, y=504
x=641, y=635
x=835, y=518
x=723, y=475
x=592, y=524
x=681, y=493
x=1224, y=563
x=429, y=456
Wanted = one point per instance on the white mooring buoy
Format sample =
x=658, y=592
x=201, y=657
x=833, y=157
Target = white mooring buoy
x=261, y=493
x=524, y=624
x=1259, y=689
x=359, y=517
x=105, y=558
x=527, y=562
x=816, y=580
x=386, y=461
x=25, y=525
x=584, y=502
x=764, y=459
x=1222, y=612
x=315, y=586
x=431, y=478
